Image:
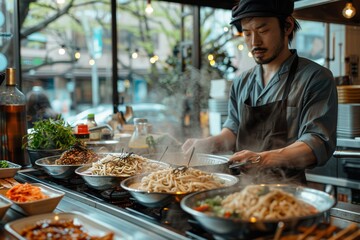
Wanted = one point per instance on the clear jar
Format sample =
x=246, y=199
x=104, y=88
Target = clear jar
x=138, y=138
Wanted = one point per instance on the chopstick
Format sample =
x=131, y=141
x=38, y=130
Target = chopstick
x=343, y=232
x=162, y=155
x=279, y=230
x=354, y=235
x=326, y=232
x=307, y=233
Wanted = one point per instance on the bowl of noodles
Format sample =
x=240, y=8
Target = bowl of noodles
x=63, y=166
x=112, y=168
x=158, y=188
x=254, y=210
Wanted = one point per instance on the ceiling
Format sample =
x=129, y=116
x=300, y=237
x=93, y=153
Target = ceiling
x=315, y=10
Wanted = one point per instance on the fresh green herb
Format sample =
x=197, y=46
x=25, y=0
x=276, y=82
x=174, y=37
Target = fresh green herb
x=50, y=134
x=4, y=164
x=150, y=141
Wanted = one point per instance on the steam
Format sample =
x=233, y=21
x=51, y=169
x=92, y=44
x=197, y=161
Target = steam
x=270, y=176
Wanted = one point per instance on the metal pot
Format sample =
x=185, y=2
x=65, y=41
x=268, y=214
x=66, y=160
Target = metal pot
x=203, y=162
x=159, y=199
x=242, y=229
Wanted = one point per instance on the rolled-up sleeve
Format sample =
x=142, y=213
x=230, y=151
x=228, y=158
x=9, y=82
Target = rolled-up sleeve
x=232, y=120
x=318, y=115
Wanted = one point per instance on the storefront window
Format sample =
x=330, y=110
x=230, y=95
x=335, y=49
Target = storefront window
x=7, y=39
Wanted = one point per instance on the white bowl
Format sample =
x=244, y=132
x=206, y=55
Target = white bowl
x=10, y=171
x=39, y=206
x=4, y=206
x=91, y=227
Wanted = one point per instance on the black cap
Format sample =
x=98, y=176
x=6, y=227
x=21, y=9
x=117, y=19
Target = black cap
x=260, y=8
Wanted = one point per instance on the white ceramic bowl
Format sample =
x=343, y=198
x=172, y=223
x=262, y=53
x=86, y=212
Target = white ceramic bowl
x=4, y=206
x=10, y=171
x=91, y=227
x=40, y=206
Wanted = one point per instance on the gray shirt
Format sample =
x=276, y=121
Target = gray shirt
x=311, y=106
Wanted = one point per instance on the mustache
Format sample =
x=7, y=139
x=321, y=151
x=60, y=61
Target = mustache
x=257, y=49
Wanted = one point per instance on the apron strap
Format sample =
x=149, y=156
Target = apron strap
x=290, y=77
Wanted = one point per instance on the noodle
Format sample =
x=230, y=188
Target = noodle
x=191, y=180
x=123, y=165
x=263, y=203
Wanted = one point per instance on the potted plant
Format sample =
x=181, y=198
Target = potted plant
x=48, y=137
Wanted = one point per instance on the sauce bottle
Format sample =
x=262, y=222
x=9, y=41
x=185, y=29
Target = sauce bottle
x=12, y=121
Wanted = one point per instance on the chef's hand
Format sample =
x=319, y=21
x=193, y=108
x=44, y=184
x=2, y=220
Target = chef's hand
x=249, y=158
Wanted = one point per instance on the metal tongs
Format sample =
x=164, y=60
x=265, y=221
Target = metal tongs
x=184, y=168
x=251, y=160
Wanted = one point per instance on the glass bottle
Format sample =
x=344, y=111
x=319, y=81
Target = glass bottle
x=137, y=143
x=12, y=121
x=94, y=135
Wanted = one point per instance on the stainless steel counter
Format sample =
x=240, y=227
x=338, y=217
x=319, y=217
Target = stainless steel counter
x=137, y=226
x=132, y=226
x=68, y=204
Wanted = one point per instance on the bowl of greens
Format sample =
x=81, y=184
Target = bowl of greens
x=8, y=169
x=48, y=137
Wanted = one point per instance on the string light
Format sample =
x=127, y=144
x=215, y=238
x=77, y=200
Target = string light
x=250, y=55
x=91, y=62
x=149, y=10
x=154, y=59
x=349, y=11
x=240, y=47
x=62, y=50
x=77, y=54
x=135, y=54
x=210, y=57
x=60, y=2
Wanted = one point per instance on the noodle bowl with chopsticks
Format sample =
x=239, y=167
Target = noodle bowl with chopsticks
x=123, y=165
x=256, y=202
x=170, y=181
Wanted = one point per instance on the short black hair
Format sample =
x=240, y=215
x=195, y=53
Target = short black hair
x=282, y=22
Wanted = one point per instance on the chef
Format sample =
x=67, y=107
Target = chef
x=282, y=113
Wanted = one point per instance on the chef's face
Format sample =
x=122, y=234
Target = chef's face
x=264, y=38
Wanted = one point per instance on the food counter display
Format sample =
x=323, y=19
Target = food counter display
x=119, y=211
x=96, y=210
x=134, y=197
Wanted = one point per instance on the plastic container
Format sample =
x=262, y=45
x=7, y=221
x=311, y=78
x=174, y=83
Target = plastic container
x=13, y=126
x=83, y=133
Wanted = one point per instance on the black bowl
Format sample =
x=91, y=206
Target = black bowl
x=35, y=154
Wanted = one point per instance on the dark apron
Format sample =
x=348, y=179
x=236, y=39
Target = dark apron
x=264, y=127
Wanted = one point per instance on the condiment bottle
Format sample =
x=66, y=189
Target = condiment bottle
x=95, y=134
x=137, y=141
x=12, y=121
x=82, y=133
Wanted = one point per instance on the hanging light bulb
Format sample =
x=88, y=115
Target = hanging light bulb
x=149, y=10
x=62, y=50
x=77, y=53
x=349, y=11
